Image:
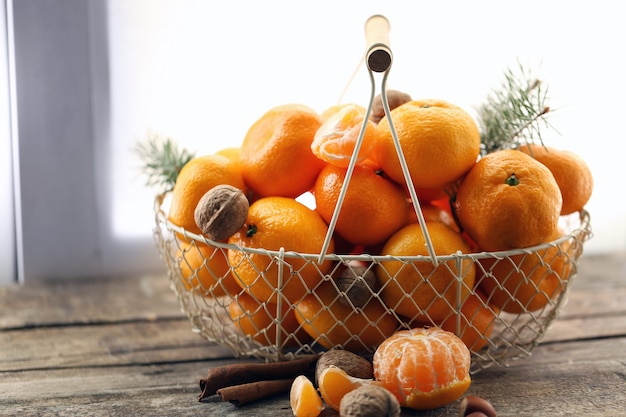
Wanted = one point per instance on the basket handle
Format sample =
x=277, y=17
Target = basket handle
x=379, y=55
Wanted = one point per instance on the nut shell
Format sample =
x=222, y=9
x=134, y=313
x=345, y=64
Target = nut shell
x=369, y=400
x=221, y=212
x=356, y=284
x=395, y=98
x=353, y=364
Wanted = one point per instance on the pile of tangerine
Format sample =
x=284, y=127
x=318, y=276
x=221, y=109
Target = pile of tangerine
x=470, y=203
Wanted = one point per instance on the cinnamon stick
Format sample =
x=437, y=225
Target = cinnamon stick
x=254, y=391
x=243, y=373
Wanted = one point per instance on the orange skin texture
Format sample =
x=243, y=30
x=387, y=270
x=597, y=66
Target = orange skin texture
x=373, y=207
x=499, y=216
x=571, y=173
x=332, y=324
x=419, y=288
x=279, y=222
x=440, y=142
x=276, y=157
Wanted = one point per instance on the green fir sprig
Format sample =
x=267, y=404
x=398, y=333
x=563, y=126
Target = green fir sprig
x=162, y=160
x=513, y=114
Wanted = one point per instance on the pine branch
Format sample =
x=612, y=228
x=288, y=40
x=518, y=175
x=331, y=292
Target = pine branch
x=512, y=115
x=162, y=160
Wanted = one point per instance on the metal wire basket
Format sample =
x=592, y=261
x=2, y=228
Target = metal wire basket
x=527, y=285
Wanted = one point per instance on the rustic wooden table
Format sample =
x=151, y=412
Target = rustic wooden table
x=122, y=347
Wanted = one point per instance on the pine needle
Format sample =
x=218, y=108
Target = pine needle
x=162, y=160
x=514, y=114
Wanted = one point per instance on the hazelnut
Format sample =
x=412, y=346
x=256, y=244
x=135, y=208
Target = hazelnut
x=356, y=282
x=353, y=364
x=369, y=400
x=395, y=98
x=221, y=212
x=476, y=407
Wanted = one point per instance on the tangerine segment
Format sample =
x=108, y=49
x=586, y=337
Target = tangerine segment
x=276, y=157
x=570, y=171
x=261, y=321
x=331, y=324
x=508, y=200
x=419, y=289
x=274, y=223
x=440, y=142
x=424, y=368
x=526, y=282
x=334, y=383
x=304, y=399
x=373, y=207
x=205, y=269
x=335, y=141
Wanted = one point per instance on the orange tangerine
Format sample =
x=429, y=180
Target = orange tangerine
x=424, y=368
x=475, y=322
x=332, y=324
x=529, y=281
x=260, y=321
x=205, y=269
x=197, y=177
x=440, y=142
x=334, y=383
x=508, y=200
x=335, y=141
x=276, y=157
x=373, y=207
x=420, y=289
x=570, y=171
x=274, y=223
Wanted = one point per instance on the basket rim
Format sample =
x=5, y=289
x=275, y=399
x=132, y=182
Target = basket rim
x=582, y=232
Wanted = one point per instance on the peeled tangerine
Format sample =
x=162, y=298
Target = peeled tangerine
x=336, y=140
x=424, y=368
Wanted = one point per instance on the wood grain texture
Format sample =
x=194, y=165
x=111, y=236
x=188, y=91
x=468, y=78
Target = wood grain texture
x=122, y=347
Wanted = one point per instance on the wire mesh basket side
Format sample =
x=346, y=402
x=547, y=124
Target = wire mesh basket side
x=279, y=330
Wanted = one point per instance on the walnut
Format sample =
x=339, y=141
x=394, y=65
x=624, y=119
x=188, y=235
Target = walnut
x=395, y=98
x=369, y=400
x=353, y=364
x=356, y=282
x=221, y=212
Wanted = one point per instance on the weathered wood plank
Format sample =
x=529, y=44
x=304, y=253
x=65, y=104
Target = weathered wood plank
x=547, y=383
x=104, y=345
x=109, y=300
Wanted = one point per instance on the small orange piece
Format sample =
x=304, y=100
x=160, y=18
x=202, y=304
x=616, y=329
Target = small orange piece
x=332, y=324
x=570, y=171
x=507, y=201
x=424, y=368
x=274, y=223
x=440, y=142
x=475, y=323
x=373, y=207
x=334, y=383
x=304, y=399
x=259, y=321
x=527, y=282
x=336, y=139
x=205, y=269
x=416, y=289
x=197, y=177
x=276, y=156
